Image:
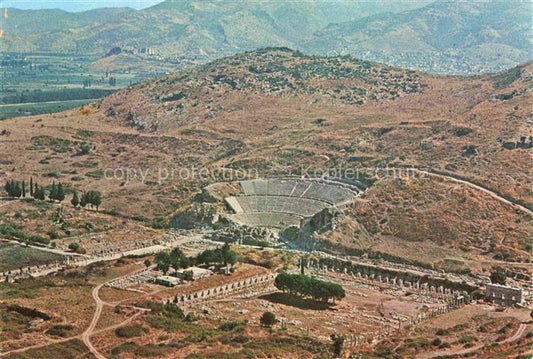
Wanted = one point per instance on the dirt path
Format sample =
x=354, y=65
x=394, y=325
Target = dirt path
x=519, y=332
x=517, y=335
x=477, y=187
x=86, y=336
x=87, y=333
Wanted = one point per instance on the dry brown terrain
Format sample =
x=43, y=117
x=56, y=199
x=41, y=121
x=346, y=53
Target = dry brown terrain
x=274, y=112
x=266, y=113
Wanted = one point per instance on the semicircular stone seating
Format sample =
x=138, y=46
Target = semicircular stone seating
x=280, y=203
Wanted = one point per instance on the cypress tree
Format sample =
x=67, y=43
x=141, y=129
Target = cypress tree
x=75, y=200
x=83, y=201
x=53, y=192
x=31, y=186
x=39, y=193
x=60, y=192
x=17, y=191
x=23, y=189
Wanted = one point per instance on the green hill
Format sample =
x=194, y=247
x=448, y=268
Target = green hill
x=460, y=37
x=445, y=37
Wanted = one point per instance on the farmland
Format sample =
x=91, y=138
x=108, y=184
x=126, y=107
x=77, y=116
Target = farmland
x=13, y=256
x=36, y=83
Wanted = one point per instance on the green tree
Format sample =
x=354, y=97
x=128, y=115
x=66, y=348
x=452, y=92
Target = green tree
x=53, y=192
x=177, y=259
x=209, y=256
x=75, y=200
x=60, y=192
x=162, y=260
x=7, y=187
x=268, y=319
x=39, y=193
x=228, y=256
x=498, y=276
x=83, y=200
x=23, y=189
x=307, y=286
x=16, y=189
x=31, y=186
x=94, y=198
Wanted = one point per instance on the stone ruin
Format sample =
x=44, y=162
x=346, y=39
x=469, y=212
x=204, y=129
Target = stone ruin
x=234, y=233
x=503, y=295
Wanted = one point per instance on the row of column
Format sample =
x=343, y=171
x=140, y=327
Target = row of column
x=224, y=289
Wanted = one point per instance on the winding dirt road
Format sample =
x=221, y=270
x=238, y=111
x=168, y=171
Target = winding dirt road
x=90, y=329
x=477, y=187
x=86, y=335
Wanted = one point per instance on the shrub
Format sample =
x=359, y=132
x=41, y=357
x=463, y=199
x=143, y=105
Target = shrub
x=124, y=347
x=131, y=331
x=462, y=131
x=229, y=326
x=60, y=330
x=442, y=332
x=53, y=234
x=159, y=222
x=74, y=246
x=85, y=148
x=268, y=319
x=465, y=339
x=436, y=342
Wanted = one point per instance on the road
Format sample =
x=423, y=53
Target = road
x=517, y=335
x=86, y=335
x=477, y=187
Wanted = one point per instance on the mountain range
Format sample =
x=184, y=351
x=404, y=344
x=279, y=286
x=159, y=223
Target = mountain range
x=467, y=38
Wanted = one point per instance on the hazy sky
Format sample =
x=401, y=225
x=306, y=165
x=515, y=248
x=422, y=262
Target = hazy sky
x=76, y=5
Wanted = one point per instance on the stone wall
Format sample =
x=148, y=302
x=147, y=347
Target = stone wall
x=223, y=290
x=503, y=295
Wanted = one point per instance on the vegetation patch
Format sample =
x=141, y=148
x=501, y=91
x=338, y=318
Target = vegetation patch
x=131, y=331
x=61, y=330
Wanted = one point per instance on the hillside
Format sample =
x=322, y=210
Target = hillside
x=470, y=37
x=478, y=38
x=276, y=111
x=196, y=28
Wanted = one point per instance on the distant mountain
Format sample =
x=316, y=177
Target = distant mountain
x=211, y=27
x=441, y=37
x=458, y=36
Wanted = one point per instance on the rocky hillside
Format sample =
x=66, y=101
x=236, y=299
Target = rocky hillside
x=154, y=145
x=349, y=112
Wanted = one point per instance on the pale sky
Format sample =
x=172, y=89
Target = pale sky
x=76, y=5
